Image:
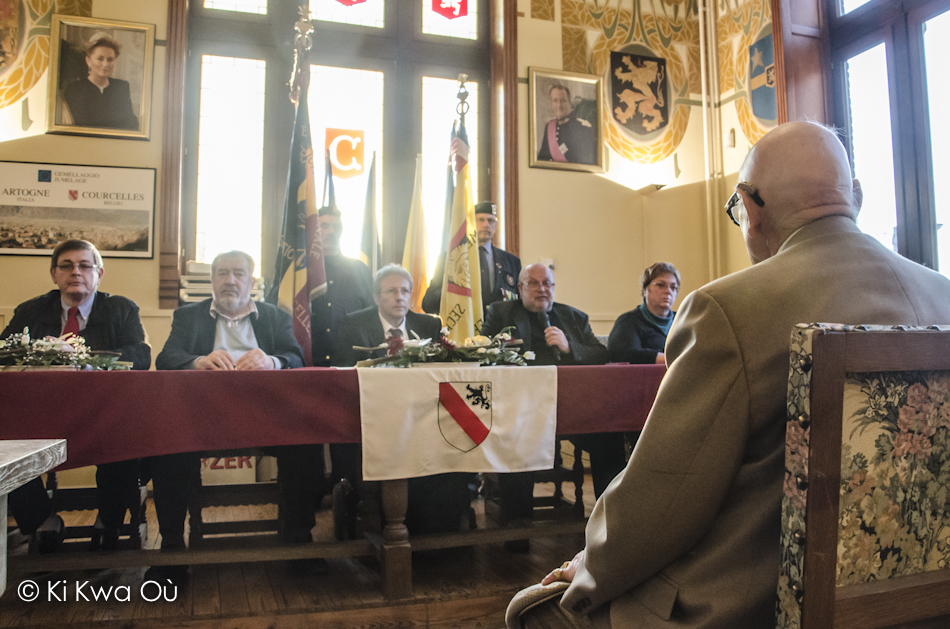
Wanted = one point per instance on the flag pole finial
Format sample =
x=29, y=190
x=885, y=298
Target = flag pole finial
x=302, y=43
x=463, y=106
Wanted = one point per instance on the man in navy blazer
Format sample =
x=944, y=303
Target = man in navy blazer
x=230, y=332
x=436, y=503
x=106, y=322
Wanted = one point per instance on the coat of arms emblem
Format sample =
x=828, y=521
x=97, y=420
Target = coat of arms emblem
x=465, y=413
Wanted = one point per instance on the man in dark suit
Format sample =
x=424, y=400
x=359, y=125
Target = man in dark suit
x=436, y=503
x=106, y=322
x=349, y=288
x=230, y=332
x=557, y=334
x=499, y=269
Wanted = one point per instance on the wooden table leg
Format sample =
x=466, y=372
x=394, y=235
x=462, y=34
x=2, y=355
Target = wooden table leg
x=397, y=553
x=3, y=544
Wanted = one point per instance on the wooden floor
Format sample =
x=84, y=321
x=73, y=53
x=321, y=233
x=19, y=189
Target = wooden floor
x=455, y=588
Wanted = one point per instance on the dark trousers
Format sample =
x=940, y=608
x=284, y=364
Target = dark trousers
x=177, y=477
x=301, y=488
x=30, y=505
x=607, y=459
x=117, y=489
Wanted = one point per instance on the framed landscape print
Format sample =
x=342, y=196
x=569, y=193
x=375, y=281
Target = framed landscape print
x=42, y=205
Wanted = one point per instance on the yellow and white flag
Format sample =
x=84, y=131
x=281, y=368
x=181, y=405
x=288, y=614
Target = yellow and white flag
x=414, y=253
x=461, y=309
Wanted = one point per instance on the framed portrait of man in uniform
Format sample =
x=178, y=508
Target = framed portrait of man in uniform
x=565, y=129
x=100, y=77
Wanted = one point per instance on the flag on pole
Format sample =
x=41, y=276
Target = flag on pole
x=449, y=196
x=461, y=309
x=414, y=253
x=299, y=273
x=329, y=196
x=369, y=244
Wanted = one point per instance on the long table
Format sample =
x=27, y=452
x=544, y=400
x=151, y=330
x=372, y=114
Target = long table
x=113, y=416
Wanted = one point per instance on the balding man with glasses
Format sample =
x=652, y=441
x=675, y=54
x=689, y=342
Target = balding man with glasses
x=106, y=322
x=689, y=534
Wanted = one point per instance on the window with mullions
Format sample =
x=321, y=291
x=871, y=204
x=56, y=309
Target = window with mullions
x=887, y=60
x=378, y=72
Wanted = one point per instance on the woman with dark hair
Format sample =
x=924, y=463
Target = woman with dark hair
x=639, y=336
x=99, y=100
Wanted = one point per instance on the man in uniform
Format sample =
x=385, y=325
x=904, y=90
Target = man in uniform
x=567, y=138
x=689, y=534
x=106, y=322
x=499, y=269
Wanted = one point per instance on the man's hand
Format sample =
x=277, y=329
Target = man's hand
x=554, y=337
x=660, y=358
x=255, y=360
x=218, y=360
x=566, y=572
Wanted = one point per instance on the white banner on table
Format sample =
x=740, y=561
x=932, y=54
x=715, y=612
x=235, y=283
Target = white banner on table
x=424, y=421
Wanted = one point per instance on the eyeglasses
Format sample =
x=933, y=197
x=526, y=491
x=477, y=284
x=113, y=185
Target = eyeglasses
x=750, y=190
x=85, y=267
x=535, y=284
x=663, y=285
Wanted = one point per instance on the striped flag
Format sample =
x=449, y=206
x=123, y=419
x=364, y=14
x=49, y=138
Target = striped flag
x=414, y=253
x=299, y=273
x=461, y=309
x=369, y=244
x=449, y=197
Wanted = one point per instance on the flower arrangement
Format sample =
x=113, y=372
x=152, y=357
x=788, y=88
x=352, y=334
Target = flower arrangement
x=68, y=350
x=500, y=349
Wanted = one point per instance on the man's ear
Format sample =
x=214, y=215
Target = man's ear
x=753, y=213
x=858, y=193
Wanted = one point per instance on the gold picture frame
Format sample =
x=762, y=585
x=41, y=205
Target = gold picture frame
x=565, y=125
x=77, y=102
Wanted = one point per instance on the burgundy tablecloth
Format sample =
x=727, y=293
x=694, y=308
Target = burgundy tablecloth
x=111, y=416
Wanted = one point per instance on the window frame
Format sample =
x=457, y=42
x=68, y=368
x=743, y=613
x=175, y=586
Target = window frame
x=898, y=27
x=248, y=35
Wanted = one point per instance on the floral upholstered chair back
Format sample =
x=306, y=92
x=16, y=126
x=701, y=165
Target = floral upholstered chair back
x=893, y=491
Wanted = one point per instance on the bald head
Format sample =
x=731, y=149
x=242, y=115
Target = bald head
x=802, y=173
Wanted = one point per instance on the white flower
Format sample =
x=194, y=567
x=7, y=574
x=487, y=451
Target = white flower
x=503, y=336
x=417, y=342
x=481, y=350
x=529, y=355
x=480, y=341
x=493, y=350
x=444, y=332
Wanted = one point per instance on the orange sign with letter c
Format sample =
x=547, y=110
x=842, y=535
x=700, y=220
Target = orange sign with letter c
x=346, y=148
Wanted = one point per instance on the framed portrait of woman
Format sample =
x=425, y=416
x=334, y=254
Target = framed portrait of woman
x=100, y=77
x=565, y=130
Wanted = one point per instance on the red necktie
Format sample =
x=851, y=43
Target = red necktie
x=72, y=321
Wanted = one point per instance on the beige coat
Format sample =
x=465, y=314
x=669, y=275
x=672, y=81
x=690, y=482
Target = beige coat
x=688, y=534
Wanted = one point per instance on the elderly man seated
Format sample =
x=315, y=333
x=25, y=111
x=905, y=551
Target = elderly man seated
x=230, y=332
x=688, y=535
x=557, y=334
x=106, y=322
x=438, y=502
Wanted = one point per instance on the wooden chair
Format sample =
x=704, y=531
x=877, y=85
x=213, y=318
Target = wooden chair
x=866, y=505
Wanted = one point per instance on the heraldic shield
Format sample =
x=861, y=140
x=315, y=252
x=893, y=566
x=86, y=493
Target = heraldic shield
x=639, y=88
x=762, y=79
x=465, y=410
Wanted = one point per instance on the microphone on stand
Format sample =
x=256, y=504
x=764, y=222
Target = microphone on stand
x=546, y=322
